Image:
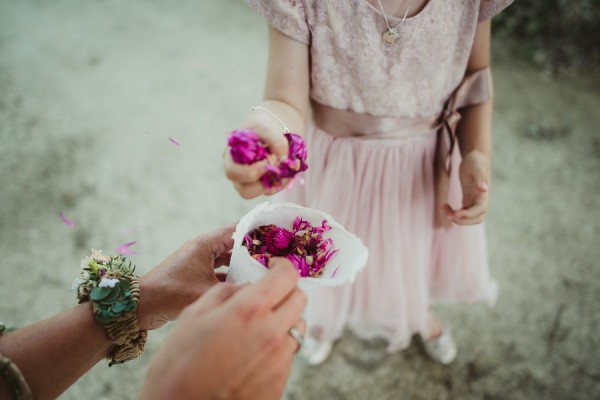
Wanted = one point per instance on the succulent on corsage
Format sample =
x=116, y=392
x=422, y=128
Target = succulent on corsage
x=105, y=280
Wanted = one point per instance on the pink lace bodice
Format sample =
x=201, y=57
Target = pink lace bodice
x=352, y=69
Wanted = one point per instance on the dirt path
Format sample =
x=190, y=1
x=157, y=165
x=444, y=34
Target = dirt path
x=90, y=94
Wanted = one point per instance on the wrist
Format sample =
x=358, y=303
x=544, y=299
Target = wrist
x=148, y=310
x=160, y=303
x=109, y=284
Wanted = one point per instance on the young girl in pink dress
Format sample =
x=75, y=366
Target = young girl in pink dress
x=394, y=100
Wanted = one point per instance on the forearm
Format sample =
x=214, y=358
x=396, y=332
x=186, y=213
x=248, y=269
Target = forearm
x=475, y=129
x=293, y=118
x=286, y=88
x=474, y=132
x=54, y=353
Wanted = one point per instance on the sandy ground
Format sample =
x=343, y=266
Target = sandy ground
x=90, y=91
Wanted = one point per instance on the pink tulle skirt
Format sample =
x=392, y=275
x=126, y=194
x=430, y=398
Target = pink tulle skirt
x=383, y=191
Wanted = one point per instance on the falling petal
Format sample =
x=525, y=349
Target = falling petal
x=125, y=249
x=66, y=221
x=174, y=142
x=335, y=272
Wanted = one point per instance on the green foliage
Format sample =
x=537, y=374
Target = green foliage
x=112, y=302
x=558, y=34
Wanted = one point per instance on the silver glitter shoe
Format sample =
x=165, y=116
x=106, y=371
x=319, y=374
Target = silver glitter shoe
x=442, y=348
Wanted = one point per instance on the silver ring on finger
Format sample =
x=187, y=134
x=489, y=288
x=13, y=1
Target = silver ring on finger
x=297, y=336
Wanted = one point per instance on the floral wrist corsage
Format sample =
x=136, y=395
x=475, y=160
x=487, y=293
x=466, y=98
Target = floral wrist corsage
x=109, y=283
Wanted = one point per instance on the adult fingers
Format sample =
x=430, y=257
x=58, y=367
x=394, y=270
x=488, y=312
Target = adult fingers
x=221, y=239
x=300, y=328
x=271, y=289
x=221, y=276
x=289, y=310
x=223, y=259
x=215, y=246
x=213, y=297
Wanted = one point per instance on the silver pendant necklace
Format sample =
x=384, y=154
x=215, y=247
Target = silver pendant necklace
x=391, y=36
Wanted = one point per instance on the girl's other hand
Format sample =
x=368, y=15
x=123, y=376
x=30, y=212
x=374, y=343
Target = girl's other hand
x=474, y=176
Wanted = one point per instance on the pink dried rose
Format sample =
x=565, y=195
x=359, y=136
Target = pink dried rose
x=279, y=241
x=304, y=246
x=296, y=161
x=246, y=147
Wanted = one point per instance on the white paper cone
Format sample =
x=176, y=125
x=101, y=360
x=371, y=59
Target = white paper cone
x=341, y=268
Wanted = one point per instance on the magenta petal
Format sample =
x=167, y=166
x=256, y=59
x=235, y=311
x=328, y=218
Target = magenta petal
x=300, y=264
x=245, y=146
x=335, y=272
x=125, y=249
x=66, y=221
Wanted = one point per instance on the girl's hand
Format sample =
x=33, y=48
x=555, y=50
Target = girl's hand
x=474, y=175
x=246, y=178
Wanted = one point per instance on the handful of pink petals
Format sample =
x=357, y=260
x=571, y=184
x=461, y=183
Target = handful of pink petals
x=246, y=147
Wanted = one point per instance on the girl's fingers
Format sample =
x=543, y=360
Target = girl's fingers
x=244, y=173
x=278, y=145
x=447, y=210
x=276, y=189
x=250, y=190
x=473, y=214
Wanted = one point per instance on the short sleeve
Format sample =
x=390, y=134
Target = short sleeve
x=489, y=8
x=287, y=16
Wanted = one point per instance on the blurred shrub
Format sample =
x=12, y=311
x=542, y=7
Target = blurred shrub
x=563, y=35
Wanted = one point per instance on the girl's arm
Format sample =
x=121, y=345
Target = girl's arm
x=475, y=142
x=286, y=95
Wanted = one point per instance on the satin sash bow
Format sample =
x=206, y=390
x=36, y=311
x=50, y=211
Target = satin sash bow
x=475, y=88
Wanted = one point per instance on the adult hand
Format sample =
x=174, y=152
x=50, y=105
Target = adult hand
x=474, y=176
x=233, y=342
x=183, y=277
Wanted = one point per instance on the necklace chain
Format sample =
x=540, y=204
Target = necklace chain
x=391, y=35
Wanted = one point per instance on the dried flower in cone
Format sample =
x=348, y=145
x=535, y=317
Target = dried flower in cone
x=304, y=246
